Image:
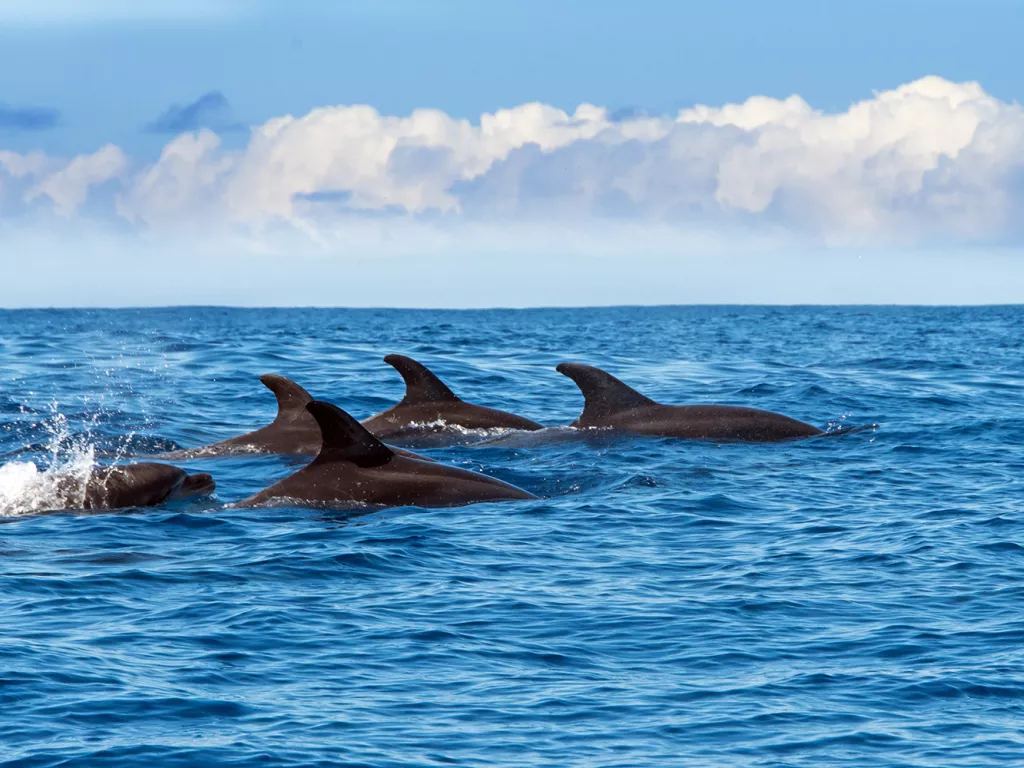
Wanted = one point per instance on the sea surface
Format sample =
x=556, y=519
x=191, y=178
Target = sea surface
x=855, y=600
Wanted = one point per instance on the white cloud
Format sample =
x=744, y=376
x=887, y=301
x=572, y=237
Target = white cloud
x=184, y=184
x=22, y=166
x=386, y=162
x=16, y=172
x=68, y=188
x=930, y=160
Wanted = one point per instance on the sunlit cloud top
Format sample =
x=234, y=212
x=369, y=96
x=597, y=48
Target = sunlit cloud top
x=930, y=160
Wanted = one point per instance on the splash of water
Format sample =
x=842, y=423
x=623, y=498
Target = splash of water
x=57, y=482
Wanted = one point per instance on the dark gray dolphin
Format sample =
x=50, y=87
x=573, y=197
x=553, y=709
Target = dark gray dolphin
x=610, y=403
x=142, y=485
x=431, y=409
x=293, y=431
x=354, y=469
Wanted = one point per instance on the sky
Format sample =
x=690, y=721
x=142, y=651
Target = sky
x=455, y=153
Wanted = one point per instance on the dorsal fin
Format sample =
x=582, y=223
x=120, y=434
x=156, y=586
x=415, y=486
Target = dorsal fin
x=603, y=394
x=421, y=386
x=345, y=439
x=291, y=398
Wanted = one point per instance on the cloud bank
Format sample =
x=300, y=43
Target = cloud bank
x=932, y=160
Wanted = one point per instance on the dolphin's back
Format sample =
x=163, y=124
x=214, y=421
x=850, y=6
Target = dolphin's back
x=711, y=422
x=430, y=408
x=609, y=402
x=355, y=468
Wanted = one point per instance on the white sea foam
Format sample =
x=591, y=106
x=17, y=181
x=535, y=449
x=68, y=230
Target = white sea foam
x=442, y=425
x=57, y=483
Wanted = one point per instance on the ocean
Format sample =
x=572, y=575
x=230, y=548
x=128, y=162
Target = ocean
x=844, y=601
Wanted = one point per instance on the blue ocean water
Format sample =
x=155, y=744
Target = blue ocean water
x=848, y=601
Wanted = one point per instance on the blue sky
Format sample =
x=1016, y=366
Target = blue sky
x=128, y=80
x=110, y=73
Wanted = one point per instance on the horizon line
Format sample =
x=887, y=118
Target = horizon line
x=498, y=308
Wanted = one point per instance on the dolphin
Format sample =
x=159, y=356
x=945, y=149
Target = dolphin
x=141, y=485
x=609, y=402
x=293, y=431
x=429, y=408
x=355, y=469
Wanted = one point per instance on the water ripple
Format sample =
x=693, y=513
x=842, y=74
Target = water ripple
x=849, y=601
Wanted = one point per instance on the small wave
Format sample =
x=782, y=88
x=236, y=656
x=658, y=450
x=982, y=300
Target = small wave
x=840, y=427
x=423, y=434
x=275, y=502
x=517, y=438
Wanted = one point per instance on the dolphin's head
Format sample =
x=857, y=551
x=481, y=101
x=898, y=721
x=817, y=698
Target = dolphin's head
x=137, y=485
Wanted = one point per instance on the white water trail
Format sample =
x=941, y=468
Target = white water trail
x=440, y=425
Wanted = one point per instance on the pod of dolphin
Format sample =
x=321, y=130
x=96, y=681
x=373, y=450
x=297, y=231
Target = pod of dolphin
x=353, y=466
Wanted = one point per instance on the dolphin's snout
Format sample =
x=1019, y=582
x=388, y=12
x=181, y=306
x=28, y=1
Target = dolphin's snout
x=200, y=484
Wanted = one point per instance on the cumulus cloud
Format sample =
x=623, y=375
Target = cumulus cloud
x=27, y=118
x=69, y=187
x=183, y=184
x=211, y=110
x=930, y=160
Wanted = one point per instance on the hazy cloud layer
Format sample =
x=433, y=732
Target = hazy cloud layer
x=929, y=160
x=27, y=118
x=211, y=110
